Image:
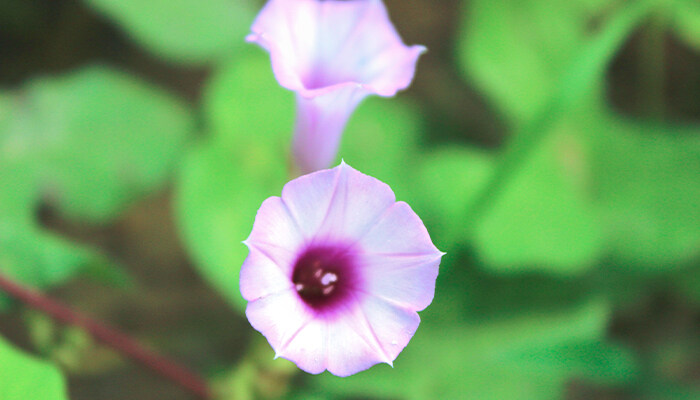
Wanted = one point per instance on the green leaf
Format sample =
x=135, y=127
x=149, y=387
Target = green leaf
x=686, y=21
x=27, y=253
x=188, y=31
x=225, y=179
x=97, y=140
x=592, y=360
x=244, y=104
x=559, y=111
x=23, y=377
x=382, y=139
x=519, y=358
x=89, y=144
x=647, y=185
x=218, y=194
x=448, y=181
x=543, y=219
x=512, y=49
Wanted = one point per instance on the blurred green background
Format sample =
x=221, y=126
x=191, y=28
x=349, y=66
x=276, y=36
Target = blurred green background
x=552, y=148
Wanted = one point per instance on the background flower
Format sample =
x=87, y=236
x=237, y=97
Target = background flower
x=336, y=272
x=332, y=54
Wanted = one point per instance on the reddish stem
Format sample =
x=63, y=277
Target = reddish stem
x=118, y=341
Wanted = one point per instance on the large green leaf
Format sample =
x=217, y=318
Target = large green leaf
x=89, y=144
x=543, y=219
x=219, y=192
x=183, y=30
x=225, y=179
x=647, y=184
x=536, y=209
x=97, y=139
x=599, y=186
x=519, y=358
x=23, y=377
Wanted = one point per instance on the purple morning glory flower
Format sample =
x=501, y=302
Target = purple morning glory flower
x=332, y=54
x=337, y=271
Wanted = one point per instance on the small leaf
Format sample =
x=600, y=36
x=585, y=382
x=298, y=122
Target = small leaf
x=22, y=377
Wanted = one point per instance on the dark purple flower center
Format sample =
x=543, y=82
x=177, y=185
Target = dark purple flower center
x=323, y=276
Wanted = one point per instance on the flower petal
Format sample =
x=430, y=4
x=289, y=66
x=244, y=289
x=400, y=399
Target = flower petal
x=389, y=325
x=399, y=232
x=352, y=347
x=280, y=317
x=261, y=276
x=308, y=346
x=316, y=44
x=285, y=28
x=407, y=280
x=333, y=54
x=274, y=225
x=340, y=204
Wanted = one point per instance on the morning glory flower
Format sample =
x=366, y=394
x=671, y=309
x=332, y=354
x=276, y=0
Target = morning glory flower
x=332, y=54
x=336, y=272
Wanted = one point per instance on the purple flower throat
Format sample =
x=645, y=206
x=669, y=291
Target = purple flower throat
x=323, y=276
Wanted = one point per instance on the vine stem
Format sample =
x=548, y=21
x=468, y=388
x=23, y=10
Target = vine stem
x=120, y=342
x=578, y=81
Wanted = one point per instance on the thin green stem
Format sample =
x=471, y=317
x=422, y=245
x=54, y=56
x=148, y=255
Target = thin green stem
x=579, y=81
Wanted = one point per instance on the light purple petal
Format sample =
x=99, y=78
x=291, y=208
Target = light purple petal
x=390, y=325
x=352, y=345
x=308, y=346
x=399, y=232
x=315, y=45
x=333, y=54
x=274, y=225
x=279, y=317
x=273, y=245
x=337, y=204
x=405, y=279
x=368, y=332
x=261, y=276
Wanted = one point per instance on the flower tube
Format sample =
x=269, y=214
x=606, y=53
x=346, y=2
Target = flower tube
x=336, y=272
x=332, y=54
